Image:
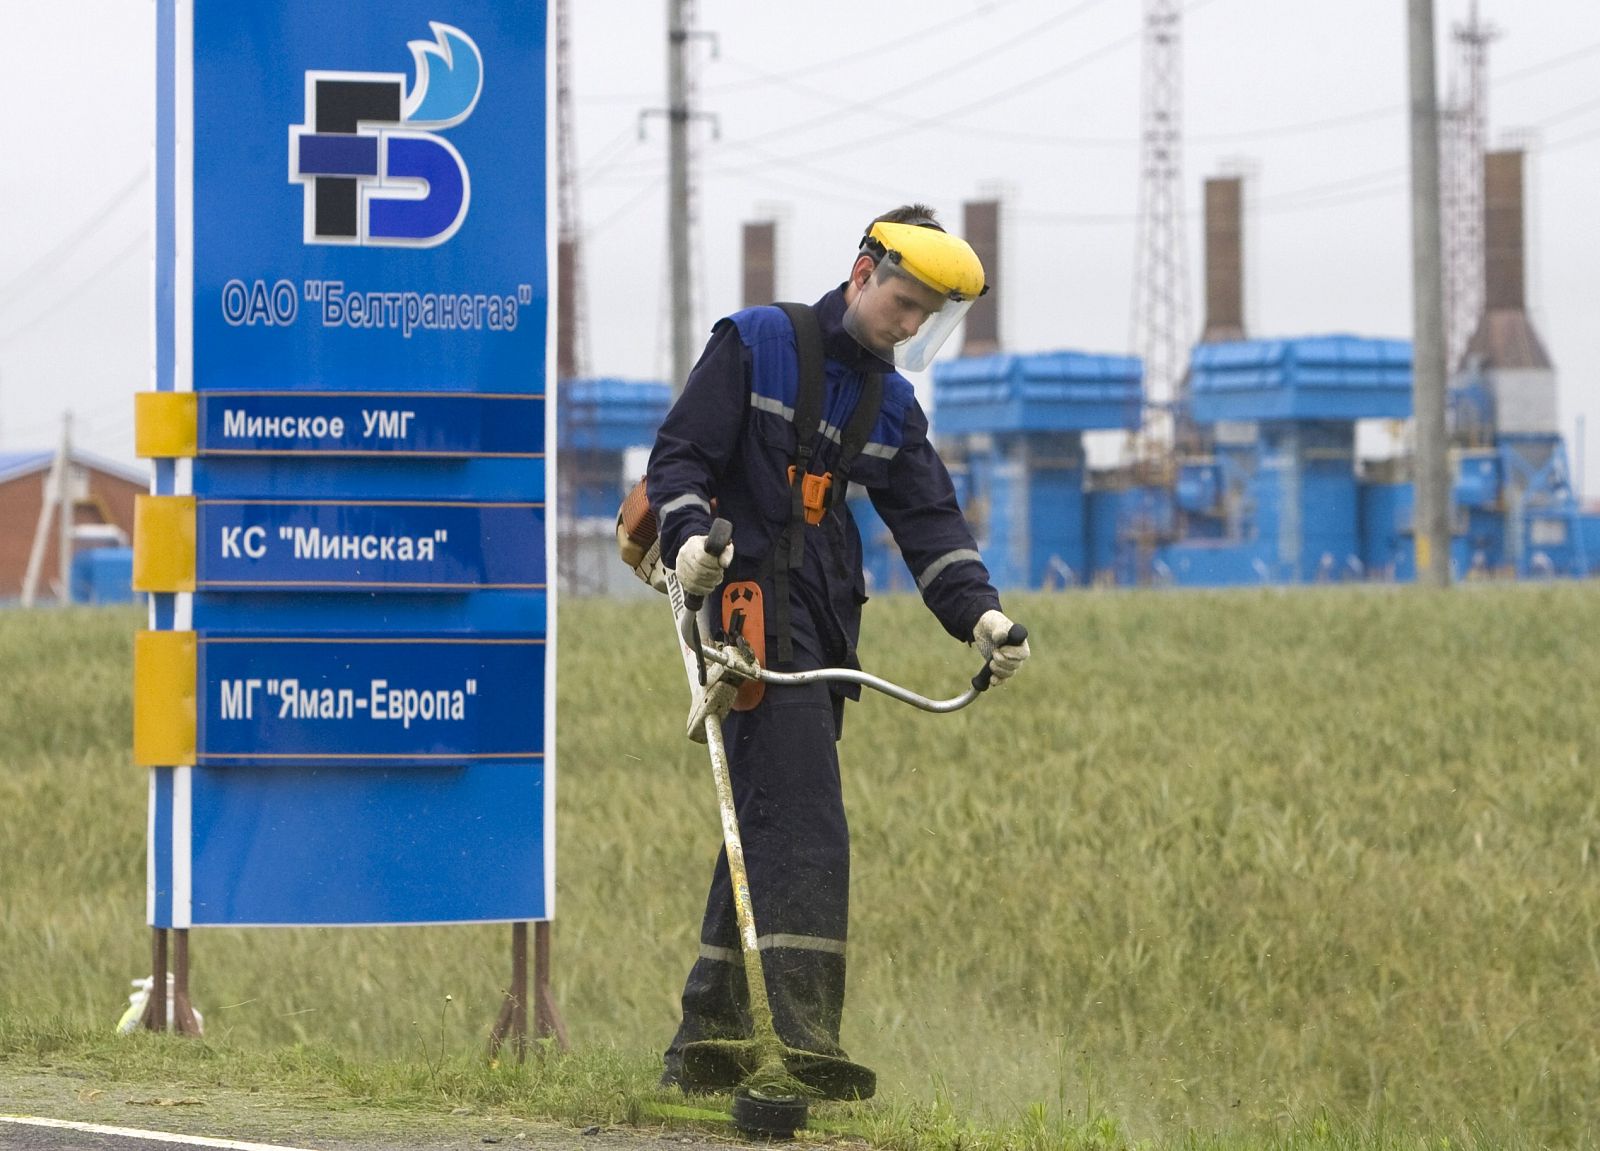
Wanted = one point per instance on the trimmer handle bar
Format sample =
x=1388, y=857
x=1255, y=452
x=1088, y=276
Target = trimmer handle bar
x=980, y=682
x=1017, y=635
x=717, y=539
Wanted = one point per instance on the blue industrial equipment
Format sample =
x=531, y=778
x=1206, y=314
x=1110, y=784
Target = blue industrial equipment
x=1280, y=503
x=1042, y=392
x=1469, y=412
x=1338, y=378
x=1544, y=533
x=103, y=575
x=1125, y=529
x=1388, y=549
x=1478, y=478
x=600, y=419
x=1012, y=426
x=1278, y=499
x=610, y=415
x=1200, y=487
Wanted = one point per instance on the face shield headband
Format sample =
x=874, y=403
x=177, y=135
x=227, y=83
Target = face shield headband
x=943, y=272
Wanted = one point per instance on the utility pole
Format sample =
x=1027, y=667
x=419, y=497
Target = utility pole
x=572, y=329
x=678, y=193
x=680, y=190
x=54, y=499
x=1432, y=475
x=572, y=334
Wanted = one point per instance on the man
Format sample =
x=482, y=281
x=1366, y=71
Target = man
x=795, y=587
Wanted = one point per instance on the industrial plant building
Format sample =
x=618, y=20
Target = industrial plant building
x=1249, y=474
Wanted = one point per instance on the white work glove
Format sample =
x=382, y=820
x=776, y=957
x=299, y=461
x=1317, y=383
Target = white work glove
x=699, y=572
x=990, y=635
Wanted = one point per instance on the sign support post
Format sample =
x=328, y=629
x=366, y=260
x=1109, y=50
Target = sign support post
x=513, y=1020
x=155, y=1008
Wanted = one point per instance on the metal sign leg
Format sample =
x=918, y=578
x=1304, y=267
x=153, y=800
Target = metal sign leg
x=155, y=1009
x=513, y=1019
x=183, y=1020
x=547, y=1019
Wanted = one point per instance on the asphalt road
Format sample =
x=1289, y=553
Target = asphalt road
x=45, y=1135
x=49, y=1136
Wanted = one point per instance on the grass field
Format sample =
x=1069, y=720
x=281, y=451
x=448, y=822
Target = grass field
x=1222, y=863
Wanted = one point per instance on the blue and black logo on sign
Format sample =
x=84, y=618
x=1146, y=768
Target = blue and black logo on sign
x=375, y=169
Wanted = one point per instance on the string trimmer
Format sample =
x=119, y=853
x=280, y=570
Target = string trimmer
x=775, y=1080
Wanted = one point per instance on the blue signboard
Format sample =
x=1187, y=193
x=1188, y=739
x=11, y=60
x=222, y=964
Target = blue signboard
x=365, y=701
x=369, y=196
x=353, y=279
x=383, y=424
x=389, y=545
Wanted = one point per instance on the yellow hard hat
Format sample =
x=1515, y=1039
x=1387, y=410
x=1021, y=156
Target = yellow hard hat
x=943, y=262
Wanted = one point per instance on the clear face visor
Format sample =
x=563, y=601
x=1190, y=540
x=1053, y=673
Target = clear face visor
x=903, y=301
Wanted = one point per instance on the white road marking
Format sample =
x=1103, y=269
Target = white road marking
x=152, y=1136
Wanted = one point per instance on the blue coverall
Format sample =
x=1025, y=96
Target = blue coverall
x=730, y=437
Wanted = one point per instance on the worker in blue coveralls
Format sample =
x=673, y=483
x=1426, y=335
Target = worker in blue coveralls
x=793, y=586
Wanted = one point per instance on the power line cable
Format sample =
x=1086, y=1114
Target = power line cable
x=1570, y=113
x=20, y=281
x=70, y=295
x=1383, y=111
x=1545, y=65
x=1334, y=193
x=830, y=178
x=1570, y=141
x=1271, y=131
x=927, y=123
x=761, y=177
x=1366, y=115
x=1262, y=132
x=875, y=106
x=625, y=207
x=608, y=155
x=943, y=121
x=876, y=49
x=1208, y=138
x=940, y=122
x=1394, y=187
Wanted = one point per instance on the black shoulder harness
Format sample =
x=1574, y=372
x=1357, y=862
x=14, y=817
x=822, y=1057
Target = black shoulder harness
x=791, y=548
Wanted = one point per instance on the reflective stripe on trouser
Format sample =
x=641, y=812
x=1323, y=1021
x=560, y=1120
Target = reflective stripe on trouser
x=784, y=768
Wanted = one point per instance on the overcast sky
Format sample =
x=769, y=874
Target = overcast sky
x=828, y=111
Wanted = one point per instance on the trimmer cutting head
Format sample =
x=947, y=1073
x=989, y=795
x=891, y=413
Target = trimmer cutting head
x=749, y=1063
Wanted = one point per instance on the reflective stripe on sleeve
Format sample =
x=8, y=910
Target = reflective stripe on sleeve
x=934, y=570
x=687, y=500
x=768, y=404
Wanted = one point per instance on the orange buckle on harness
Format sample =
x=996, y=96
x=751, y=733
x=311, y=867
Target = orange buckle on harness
x=814, y=494
x=745, y=616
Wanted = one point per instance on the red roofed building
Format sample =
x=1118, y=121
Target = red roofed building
x=102, y=491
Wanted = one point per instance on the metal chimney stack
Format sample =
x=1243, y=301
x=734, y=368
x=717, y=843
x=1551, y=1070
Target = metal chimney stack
x=1503, y=226
x=1505, y=348
x=760, y=263
x=1224, y=259
x=980, y=227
